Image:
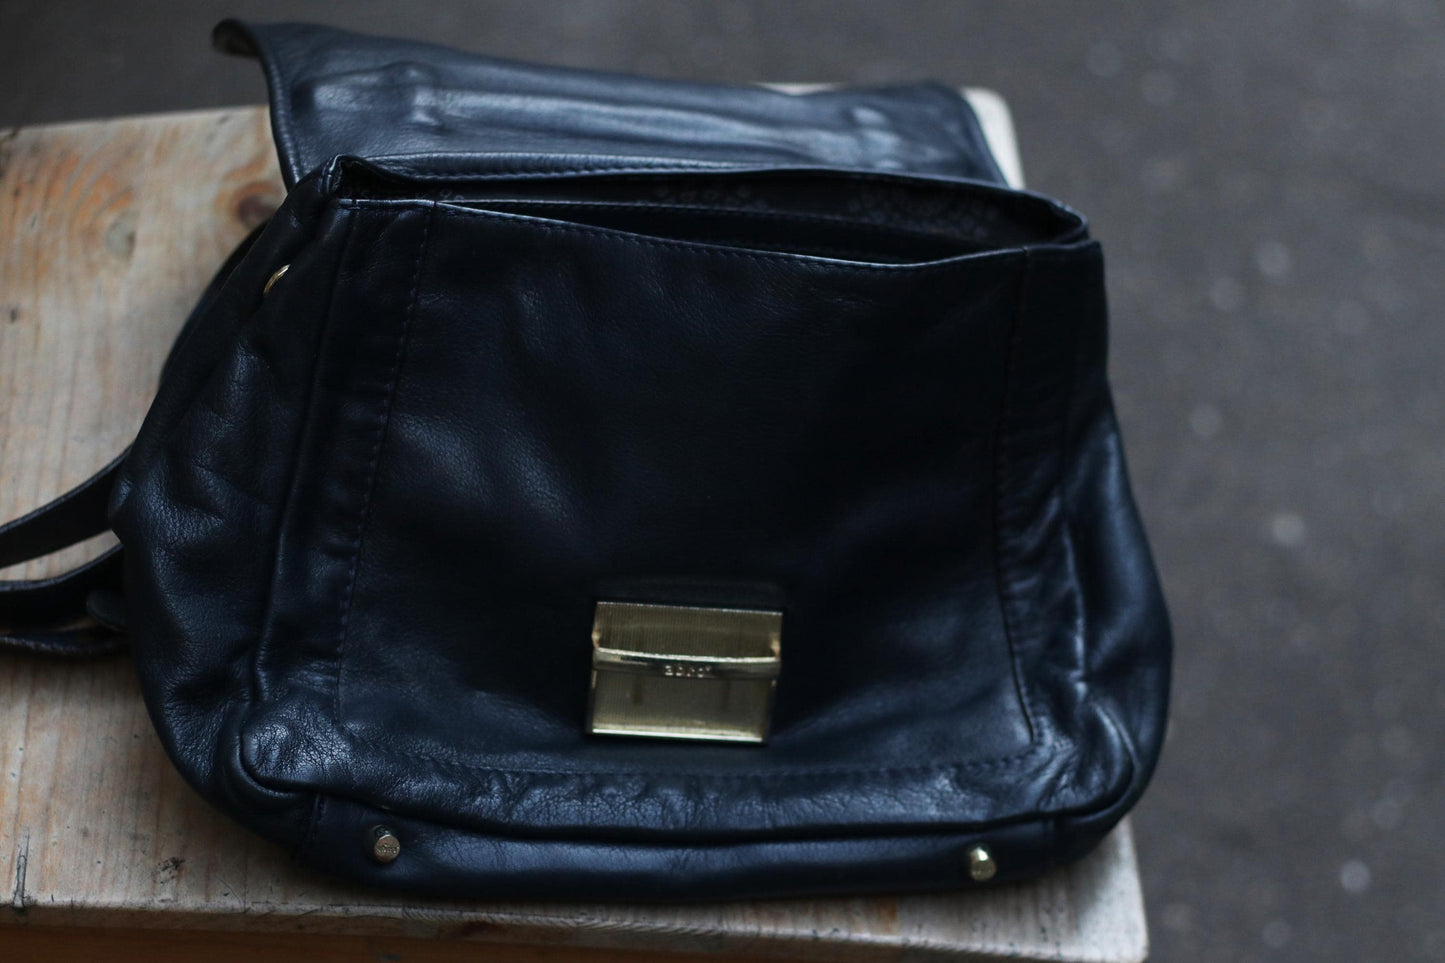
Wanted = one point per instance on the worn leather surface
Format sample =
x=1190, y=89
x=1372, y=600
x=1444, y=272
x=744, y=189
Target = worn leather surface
x=369, y=514
x=429, y=109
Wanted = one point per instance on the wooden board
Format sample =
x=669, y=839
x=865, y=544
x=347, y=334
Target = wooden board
x=108, y=232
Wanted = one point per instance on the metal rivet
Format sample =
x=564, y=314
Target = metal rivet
x=385, y=847
x=981, y=866
x=275, y=276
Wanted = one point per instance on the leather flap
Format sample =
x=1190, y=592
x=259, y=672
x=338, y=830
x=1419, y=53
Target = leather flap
x=432, y=110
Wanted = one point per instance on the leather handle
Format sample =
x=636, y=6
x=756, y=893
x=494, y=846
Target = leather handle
x=80, y=613
x=58, y=615
x=72, y=615
x=73, y=517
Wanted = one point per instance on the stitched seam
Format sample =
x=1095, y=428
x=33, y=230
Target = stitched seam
x=957, y=263
x=382, y=419
x=641, y=175
x=813, y=249
x=1067, y=463
x=822, y=220
x=545, y=171
x=284, y=513
x=1011, y=201
x=1000, y=576
x=983, y=765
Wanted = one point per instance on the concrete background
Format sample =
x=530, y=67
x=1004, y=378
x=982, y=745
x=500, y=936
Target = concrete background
x=1267, y=181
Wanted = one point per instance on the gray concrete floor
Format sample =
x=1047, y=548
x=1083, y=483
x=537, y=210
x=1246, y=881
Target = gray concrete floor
x=1267, y=181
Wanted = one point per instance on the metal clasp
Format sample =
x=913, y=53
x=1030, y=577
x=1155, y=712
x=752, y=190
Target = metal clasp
x=683, y=672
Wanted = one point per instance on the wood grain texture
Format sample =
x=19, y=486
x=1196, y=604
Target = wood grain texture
x=49, y=944
x=108, y=232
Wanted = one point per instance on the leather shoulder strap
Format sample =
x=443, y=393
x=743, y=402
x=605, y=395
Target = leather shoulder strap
x=73, y=517
x=75, y=613
x=79, y=613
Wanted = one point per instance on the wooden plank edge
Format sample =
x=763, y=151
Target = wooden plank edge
x=1103, y=890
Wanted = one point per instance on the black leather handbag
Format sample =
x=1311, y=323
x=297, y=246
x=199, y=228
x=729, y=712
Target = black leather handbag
x=594, y=487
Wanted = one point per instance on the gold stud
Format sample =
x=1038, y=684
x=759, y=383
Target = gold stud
x=385, y=847
x=981, y=866
x=275, y=276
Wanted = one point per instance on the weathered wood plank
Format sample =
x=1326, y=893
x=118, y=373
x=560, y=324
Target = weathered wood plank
x=108, y=232
x=44, y=944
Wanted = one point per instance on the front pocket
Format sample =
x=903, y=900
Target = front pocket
x=573, y=406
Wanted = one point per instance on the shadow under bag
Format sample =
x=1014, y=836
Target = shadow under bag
x=605, y=488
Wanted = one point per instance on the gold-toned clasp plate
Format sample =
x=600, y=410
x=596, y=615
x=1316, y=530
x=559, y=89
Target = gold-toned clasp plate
x=683, y=672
